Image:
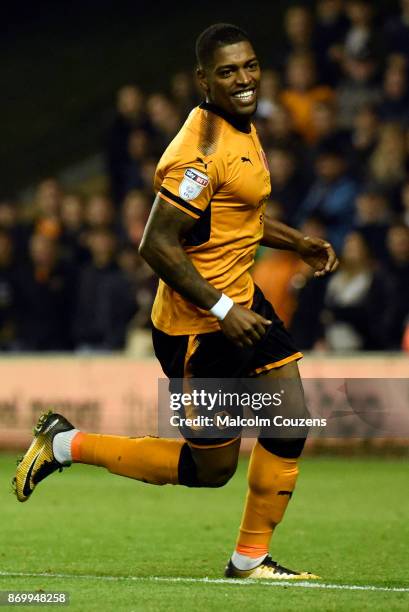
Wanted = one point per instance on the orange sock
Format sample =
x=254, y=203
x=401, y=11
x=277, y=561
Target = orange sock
x=153, y=460
x=271, y=482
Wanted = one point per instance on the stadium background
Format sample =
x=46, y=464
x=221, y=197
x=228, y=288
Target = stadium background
x=79, y=148
x=74, y=320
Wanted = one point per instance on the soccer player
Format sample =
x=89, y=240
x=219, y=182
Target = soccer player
x=209, y=319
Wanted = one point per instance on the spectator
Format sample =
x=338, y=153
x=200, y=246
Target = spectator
x=373, y=218
x=139, y=149
x=273, y=274
x=19, y=233
x=73, y=239
x=8, y=215
x=135, y=213
x=397, y=61
x=395, y=104
x=45, y=291
x=329, y=36
x=298, y=28
x=141, y=282
x=72, y=212
x=48, y=198
x=309, y=292
x=183, y=92
x=387, y=164
x=269, y=94
x=302, y=92
x=356, y=301
x=325, y=126
x=47, y=208
x=95, y=327
x=360, y=37
x=332, y=195
x=7, y=293
x=165, y=120
x=397, y=31
x=363, y=139
x=99, y=213
x=279, y=132
x=287, y=186
x=283, y=277
x=148, y=170
x=398, y=270
x=358, y=87
x=130, y=115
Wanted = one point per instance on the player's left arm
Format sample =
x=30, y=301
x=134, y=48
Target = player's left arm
x=316, y=252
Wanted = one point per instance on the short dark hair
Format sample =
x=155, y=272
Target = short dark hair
x=215, y=36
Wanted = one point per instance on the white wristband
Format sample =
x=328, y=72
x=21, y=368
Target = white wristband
x=222, y=307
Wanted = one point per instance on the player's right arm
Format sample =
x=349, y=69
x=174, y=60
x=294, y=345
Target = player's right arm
x=161, y=247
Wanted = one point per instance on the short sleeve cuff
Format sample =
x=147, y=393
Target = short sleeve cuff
x=180, y=203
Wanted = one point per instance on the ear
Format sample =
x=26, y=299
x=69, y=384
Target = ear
x=201, y=77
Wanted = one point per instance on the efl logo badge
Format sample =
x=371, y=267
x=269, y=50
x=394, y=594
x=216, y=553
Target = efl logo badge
x=193, y=184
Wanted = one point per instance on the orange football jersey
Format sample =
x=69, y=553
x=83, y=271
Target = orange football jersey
x=216, y=172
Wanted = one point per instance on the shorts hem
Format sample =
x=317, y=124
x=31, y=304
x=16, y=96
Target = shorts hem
x=277, y=364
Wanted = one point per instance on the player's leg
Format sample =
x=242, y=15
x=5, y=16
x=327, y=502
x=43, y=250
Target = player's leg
x=153, y=460
x=158, y=461
x=208, y=465
x=57, y=444
x=149, y=459
x=272, y=474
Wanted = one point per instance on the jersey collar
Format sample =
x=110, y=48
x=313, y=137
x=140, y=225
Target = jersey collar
x=233, y=120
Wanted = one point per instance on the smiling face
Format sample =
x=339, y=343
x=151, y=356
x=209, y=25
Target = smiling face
x=232, y=80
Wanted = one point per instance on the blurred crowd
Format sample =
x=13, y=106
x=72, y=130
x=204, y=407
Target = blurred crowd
x=333, y=118
x=70, y=276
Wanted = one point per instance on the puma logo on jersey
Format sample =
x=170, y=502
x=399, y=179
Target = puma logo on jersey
x=202, y=161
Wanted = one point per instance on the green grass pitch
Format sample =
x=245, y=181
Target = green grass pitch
x=107, y=537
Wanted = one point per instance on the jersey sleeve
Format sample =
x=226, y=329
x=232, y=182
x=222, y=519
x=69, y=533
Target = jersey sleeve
x=189, y=182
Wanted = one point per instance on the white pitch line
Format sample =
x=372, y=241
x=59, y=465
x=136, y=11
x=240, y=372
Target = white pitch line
x=232, y=581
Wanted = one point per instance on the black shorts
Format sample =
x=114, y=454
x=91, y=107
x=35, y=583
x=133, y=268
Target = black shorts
x=212, y=355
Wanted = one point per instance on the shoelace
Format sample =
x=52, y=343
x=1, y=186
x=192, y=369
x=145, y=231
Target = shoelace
x=272, y=567
x=273, y=571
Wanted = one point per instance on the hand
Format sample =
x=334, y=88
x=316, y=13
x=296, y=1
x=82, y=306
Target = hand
x=318, y=254
x=243, y=326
